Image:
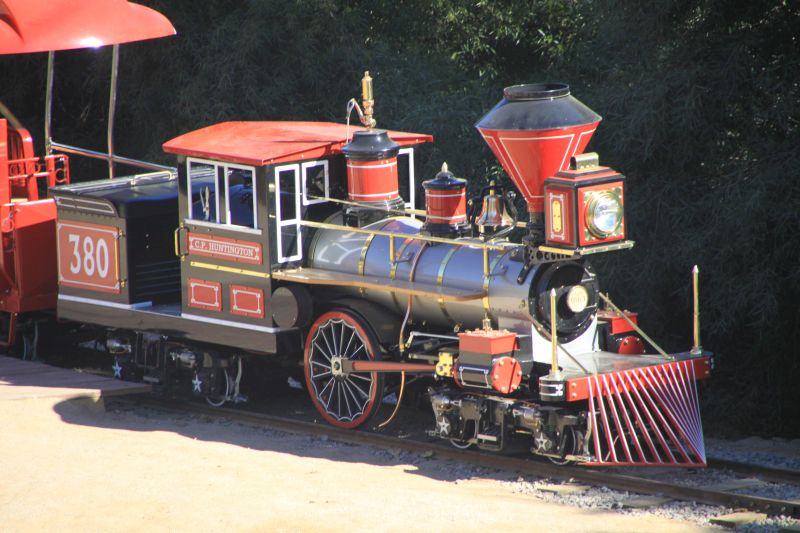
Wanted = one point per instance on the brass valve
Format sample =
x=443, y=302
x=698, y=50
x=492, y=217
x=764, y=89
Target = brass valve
x=367, y=101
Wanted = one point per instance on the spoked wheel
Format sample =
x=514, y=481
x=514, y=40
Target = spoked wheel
x=343, y=401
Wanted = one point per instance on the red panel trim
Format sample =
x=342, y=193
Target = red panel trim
x=247, y=301
x=203, y=294
x=225, y=248
x=88, y=256
x=578, y=388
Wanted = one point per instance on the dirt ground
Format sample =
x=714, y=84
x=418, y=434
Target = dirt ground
x=75, y=466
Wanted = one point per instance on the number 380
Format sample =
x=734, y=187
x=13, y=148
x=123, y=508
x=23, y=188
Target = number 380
x=88, y=256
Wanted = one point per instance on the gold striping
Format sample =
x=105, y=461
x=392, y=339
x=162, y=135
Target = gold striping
x=486, y=279
x=440, y=279
x=177, y=249
x=443, y=266
x=393, y=272
x=116, y=257
x=221, y=268
x=362, y=261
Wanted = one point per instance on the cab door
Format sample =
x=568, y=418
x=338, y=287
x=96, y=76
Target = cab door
x=223, y=246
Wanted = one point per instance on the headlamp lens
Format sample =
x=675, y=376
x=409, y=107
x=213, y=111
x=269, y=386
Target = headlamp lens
x=603, y=213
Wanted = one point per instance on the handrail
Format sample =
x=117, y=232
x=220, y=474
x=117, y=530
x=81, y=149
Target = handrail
x=417, y=237
x=105, y=157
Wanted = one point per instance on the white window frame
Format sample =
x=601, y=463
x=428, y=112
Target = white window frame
x=225, y=168
x=215, y=165
x=280, y=223
x=412, y=188
x=304, y=167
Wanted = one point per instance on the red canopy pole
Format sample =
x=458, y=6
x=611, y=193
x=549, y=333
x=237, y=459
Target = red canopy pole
x=5, y=191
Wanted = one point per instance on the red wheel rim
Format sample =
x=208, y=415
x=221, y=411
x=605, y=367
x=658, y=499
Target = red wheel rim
x=345, y=402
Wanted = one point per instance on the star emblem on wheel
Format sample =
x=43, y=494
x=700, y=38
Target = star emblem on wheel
x=117, y=369
x=197, y=383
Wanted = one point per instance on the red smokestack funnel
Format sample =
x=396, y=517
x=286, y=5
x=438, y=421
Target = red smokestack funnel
x=534, y=131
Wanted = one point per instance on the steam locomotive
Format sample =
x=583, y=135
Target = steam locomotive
x=294, y=238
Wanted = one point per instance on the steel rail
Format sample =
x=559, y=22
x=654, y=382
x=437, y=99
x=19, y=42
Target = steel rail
x=767, y=473
x=485, y=459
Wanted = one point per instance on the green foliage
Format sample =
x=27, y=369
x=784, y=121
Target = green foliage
x=701, y=106
x=499, y=39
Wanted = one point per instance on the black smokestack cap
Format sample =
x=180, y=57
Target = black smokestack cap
x=537, y=106
x=371, y=145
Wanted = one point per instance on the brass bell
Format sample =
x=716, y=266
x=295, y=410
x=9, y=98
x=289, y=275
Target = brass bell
x=493, y=216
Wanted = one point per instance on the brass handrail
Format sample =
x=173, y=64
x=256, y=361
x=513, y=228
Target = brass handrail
x=416, y=237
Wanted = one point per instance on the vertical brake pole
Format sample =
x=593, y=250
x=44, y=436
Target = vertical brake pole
x=48, y=104
x=112, y=104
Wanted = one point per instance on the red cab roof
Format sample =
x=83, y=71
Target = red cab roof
x=47, y=25
x=266, y=143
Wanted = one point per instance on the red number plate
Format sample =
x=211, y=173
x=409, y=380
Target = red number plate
x=88, y=256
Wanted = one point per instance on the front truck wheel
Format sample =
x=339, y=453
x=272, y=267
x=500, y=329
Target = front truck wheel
x=344, y=401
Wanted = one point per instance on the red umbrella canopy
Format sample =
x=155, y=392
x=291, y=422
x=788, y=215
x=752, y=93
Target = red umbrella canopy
x=47, y=25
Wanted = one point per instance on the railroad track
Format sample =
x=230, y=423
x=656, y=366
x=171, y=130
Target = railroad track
x=767, y=473
x=525, y=466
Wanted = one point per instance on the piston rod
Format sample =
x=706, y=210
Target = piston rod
x=341, y=366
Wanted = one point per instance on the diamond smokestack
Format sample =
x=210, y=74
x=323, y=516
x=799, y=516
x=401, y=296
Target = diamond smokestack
x=533, y=132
